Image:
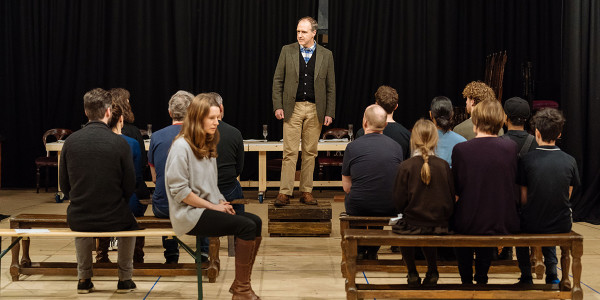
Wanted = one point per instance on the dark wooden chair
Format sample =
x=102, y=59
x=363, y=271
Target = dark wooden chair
x=494, y=72
x=49, y=160
x=331, y=158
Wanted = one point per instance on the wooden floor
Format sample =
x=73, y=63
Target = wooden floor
x=286, y=267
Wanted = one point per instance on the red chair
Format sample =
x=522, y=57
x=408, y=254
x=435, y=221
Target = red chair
x=333, y=159
x=49, y=160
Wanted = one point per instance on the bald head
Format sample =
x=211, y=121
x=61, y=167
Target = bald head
x=375, y=118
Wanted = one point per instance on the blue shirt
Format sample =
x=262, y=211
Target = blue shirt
x=136, y=208
x=446, y=143
x=308, y=52
x=160, y=143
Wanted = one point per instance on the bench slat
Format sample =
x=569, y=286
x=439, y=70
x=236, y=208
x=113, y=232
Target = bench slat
x=64, y=232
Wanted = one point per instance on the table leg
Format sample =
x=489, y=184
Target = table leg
x=577, y=252
x=262, y=171
x=58, y=176
x=14, y=266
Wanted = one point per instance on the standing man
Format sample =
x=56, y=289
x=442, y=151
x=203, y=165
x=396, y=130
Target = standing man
x=474, y=92
x=304, y=97
x=98, y=175
x=160, y=143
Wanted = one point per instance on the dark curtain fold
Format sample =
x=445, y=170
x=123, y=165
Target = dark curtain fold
x=53, y=51
x=581, y=101
x=427, y=48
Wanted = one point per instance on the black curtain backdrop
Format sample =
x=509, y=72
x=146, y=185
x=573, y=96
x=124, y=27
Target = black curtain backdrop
x=427, y=48
x=581, y=99
x=53, y=51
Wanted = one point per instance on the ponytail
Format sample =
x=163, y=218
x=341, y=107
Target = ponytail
x=425, y=170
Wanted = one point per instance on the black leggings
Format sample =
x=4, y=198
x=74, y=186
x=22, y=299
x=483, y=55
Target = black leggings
x=245, y=226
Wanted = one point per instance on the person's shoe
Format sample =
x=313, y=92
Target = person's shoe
x=308, y=199
x=85, y=287
x=395, y=249
x=172, y=259
x=125, y=286
x=102, y=250
x=525, y=280
x=431, y=279
x=203, y=257
x=413, y=280
x=552, y=280
x=281, y=200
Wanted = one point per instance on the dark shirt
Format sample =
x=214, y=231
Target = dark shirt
x=424, y=205
x=141, y=190
x=547, y=172
x=98, y=175
x=372, y=163
x=519, y=137
x=160, y=143
x=485, y=173
x=306, y=78
x=398, y=133
x=230, y=161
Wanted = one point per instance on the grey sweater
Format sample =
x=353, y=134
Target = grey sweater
x=185, y=174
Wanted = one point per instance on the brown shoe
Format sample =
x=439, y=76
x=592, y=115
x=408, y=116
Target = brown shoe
x=102, y=250
x=282, y=200
x=307, y=198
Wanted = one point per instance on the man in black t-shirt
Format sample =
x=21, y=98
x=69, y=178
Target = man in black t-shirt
x=387, y=97
x=547, y=176
x=369, y=170
x=517, y=112
x=230, y=161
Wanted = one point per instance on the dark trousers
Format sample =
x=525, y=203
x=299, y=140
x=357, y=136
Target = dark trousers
x=483, y=260
x=212, y=223
x=550, y=261
x=408, y=255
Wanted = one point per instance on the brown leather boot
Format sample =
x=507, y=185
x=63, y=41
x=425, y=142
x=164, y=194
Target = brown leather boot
x=307, y=198
x=245, y=251
x=102, y=250
x=138, y=251
x=281, y=200
x=235, y=282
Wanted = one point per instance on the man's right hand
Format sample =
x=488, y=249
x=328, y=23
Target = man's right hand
x=279, y=114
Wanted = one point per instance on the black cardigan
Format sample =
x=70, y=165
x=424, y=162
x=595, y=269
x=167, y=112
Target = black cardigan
x=96, y=171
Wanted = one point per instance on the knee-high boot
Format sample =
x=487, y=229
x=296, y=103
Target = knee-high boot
x=102, y=250
x=245, y=255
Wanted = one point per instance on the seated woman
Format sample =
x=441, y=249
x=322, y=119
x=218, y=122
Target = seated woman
x=441, y=112
x=485, y=170
x=138, y=209
x=424, y=194
x=195, y=204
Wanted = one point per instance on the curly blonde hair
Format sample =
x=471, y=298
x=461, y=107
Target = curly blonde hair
x=478, y=91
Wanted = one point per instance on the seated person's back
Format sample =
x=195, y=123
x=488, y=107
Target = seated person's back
x=370, y=165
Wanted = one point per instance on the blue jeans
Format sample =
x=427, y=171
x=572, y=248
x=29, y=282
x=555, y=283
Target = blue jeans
x=233, y=194
x=550, y=261
x=171, y=246
x=138, y=209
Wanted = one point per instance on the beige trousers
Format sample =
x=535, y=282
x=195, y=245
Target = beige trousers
x=303, y=124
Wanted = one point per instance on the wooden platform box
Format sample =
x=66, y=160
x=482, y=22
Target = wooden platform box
x=297, y=219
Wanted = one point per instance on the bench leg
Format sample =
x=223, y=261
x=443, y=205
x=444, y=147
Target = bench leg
x=25, y=259
x=214, y=263
x=577, y=252
x=198, y=260
x=565, y=263
x=350, y=248
x=343, y=263
x=537, y=261
x=14, y=266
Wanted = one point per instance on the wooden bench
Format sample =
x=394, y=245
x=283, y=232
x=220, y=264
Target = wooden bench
x=26, y=267
x=17, y=235
x=297, y=219
x=571, y=244
x=398, y=266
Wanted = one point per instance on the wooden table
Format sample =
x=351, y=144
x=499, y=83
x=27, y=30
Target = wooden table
x=252, y=146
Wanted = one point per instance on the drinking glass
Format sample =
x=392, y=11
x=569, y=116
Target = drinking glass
x=149, y=130
x=350, y=131
x=265, y=132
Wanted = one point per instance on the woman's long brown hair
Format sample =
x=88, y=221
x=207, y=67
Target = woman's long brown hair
x=203, y=145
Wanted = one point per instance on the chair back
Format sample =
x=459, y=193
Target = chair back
x=57, y=133
x=494, y=72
